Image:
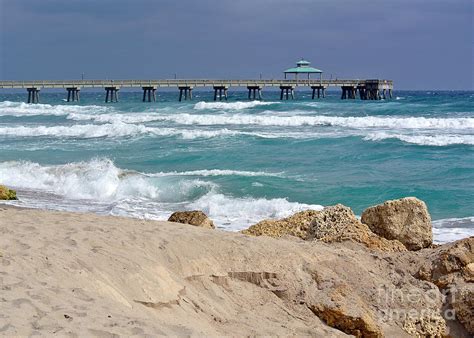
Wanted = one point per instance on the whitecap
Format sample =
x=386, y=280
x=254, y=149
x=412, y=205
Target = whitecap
x=9, y=108
x=230, y=105
x=439, y=140
x=235, y=214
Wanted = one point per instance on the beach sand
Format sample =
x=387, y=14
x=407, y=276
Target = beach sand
x=70, y=273
x=82, y=274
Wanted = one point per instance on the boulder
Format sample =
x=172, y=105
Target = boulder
x=7, y=194
x=406, y=220
x=339, y=224
x=296, y=225
x=195, y=217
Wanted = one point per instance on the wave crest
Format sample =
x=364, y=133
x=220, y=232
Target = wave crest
x=230, y=105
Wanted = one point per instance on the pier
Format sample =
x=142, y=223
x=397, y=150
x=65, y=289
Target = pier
x=372, y=89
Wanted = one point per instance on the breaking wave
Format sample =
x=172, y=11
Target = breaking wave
x=267, y=119
x=230, y=105
x=439, y=140
x=117, y=129
x=9, y=108
x=99, y=186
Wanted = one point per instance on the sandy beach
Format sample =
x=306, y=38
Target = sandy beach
x=73, y=274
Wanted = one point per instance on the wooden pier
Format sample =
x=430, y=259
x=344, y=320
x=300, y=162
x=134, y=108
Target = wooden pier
x=372, y=89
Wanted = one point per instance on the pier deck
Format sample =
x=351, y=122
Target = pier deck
x=372, y=89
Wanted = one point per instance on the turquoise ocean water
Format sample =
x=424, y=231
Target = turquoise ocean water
x=241, y=161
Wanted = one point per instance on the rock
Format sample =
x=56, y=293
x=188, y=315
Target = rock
x=339, y=224
x=426, y=325
x=462, y=302
x=406, y=220
x=195, y=217
x=447, y=263
x=463, y=305
x=7, y=194
x=296, y=225
x=449, y=267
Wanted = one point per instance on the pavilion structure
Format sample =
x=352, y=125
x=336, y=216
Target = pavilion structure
x=303, y=67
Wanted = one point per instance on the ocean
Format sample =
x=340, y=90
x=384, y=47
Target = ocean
x=241, y=161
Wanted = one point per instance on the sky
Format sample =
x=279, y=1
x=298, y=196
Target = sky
x=419, y=44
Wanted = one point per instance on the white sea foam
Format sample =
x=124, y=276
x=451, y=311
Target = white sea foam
x=98, y=179
x=113, y=118
x=217, y=172
x=452, y=229
x=425, y=140
x=117, y=129
x=230, y=105
x=99, y=186
x=238, y=213
x=461, y=123
x=8, y=108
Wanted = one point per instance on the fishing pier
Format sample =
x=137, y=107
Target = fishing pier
x=370, y=89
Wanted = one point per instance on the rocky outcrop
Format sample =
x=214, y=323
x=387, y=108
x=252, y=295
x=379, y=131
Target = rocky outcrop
x=339, y=224
x=331, y=225
x=195, y=217
x=7, y=194
x=296, y=225
x=406, y=220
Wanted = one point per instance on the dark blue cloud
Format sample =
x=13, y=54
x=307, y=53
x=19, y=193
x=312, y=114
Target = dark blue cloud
x=419, y=44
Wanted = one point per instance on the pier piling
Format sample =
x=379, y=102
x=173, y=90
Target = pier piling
x=348, y=92
x=287, y=91
x=187, y=91
x=111, y=94
x=255, y=92
x=220, y=92
x=73, y=94
x=320, y=90
x=33, y=94
x=149, y=93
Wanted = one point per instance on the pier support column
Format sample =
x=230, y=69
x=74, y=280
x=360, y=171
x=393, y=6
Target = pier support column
x=33, y=94
x=362, y=92
x=287, y=91
x=390, y=93
x=255, y=92
x=220, y=92
x=377, y=89
x=149, y=93
x=348, y=92
x=111, y=94
x=73, y=94
x=187, y=91
x=319, y=90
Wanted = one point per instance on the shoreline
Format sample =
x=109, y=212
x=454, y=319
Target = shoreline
x=443, y=229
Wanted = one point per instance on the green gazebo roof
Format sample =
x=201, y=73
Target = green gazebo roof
x=302, y=66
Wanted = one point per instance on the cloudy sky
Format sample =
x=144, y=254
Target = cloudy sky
x=420, y=44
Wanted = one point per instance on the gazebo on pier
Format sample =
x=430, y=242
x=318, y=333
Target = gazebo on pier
x=302, y=67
